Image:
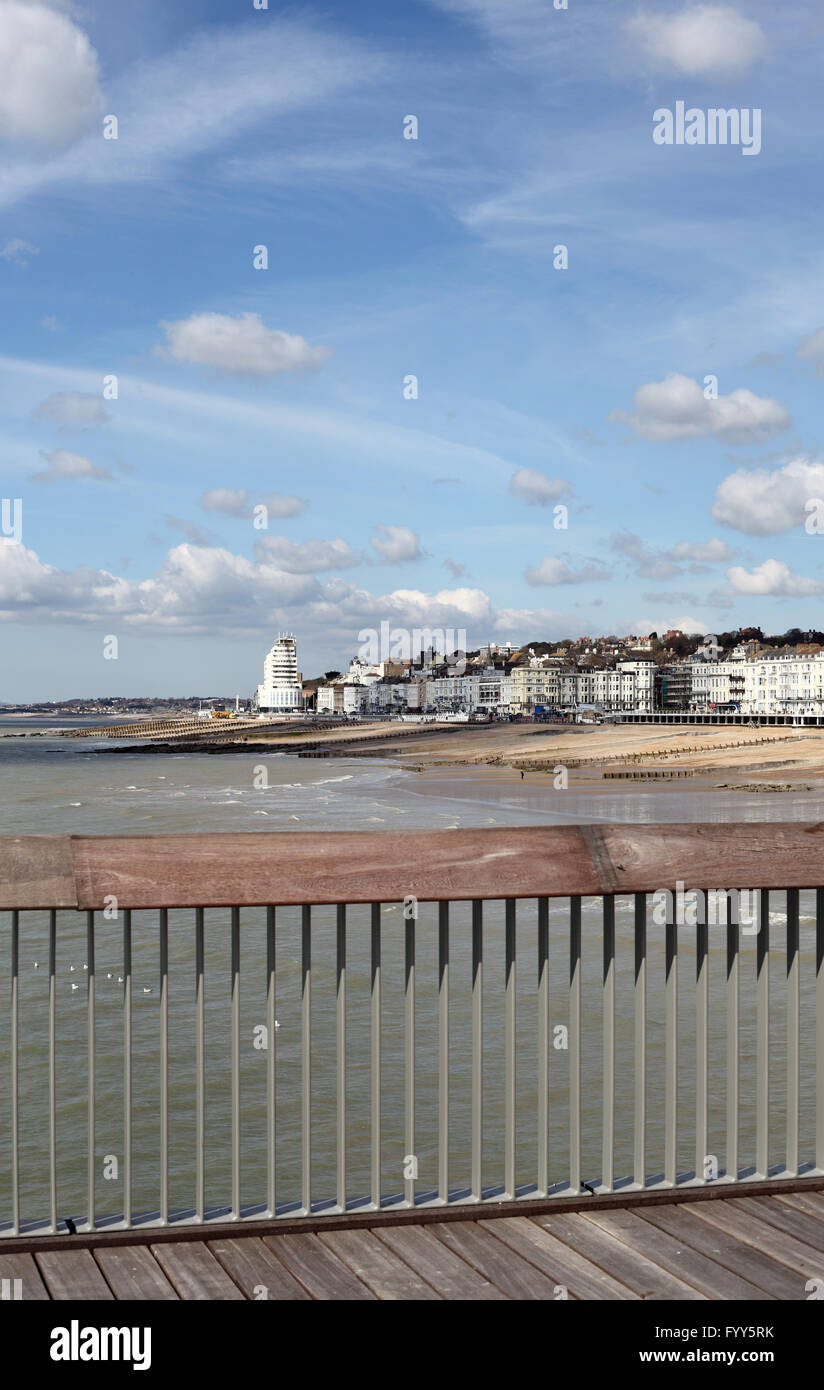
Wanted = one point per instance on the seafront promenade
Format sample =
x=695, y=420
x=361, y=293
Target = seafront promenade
x=619, y=1129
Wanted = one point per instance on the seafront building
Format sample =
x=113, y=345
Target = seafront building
x=590, y=674
x=281, y=690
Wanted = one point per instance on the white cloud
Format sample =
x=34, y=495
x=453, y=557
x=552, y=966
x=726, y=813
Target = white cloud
x=703, y=552
x=49, y=77
x=73, y=410
x=396, y=544
x=306, y=557
x=676, y=408
x=773, y=577
x=763, y=503
x=200, y=96
x=243, y=344
x=236, y=501
x=701, y=40
x=554, y=571
x=537, y=489
x=18, y=252
x=64, y=466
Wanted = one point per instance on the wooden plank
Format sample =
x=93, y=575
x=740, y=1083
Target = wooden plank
x=72, y=1274
x=323, y=867
x=561, y=1264
x=768, y=1274
x=646, y=1277
x=132, y=1272
x=36, y=871
x=253, y=1266
x=195, y=1273
x=810, y=1202
x=330, y=867
x=22, y=1267
x=682, y=1260
x=318, y=1269
x=743, y=1226
x=498, y=1263
x=384, y=1272
x=451, y=1276
x=647, y=857
x=796, y=1223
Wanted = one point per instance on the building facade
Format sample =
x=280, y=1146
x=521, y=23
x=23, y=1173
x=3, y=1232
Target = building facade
x=281, y=690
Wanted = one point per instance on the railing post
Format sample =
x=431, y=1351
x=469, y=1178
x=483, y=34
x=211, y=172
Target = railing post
x=671, y=1056
x=91, y=1095
x=306, y=1060
x=164, y=1067
x=375, y=1060
x=608, y=981
x=271, y=1065
x=477, y=1049
x=15, y=1116
x=127, y=1066
x=762, y=1039
x=510, y=950
x=443, y=1052
x=340, y=1056
x=639, y=1163
x=732, y=1051
x=793, y=1033
x=543, y=1047
x=701, y=1048
x=574, y=1041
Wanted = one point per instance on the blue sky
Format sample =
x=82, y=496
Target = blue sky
x=388, y=257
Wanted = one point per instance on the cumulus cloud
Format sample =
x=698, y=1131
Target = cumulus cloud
x=49, y=77
x=555, y=571
x=763, y=503
x=235, y=501
x=201, y=589
x=73, y=410
x=650, y=563
x=537, y=489
x=243, y=345
x=700, y=40
x=64, y=466
x=676, y=408
x=772, y=577
x=306, y=557
x=17, y=251
x=396, y=544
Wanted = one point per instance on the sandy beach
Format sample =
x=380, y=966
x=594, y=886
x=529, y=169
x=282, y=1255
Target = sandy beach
x=536, y=750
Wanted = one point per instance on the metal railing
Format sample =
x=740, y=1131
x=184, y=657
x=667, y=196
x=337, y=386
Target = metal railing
x=465, y=1017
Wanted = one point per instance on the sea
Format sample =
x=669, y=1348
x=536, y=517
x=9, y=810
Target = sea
x=57, y=786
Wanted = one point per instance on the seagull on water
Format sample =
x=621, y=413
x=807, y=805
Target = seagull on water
x=147, y=989
x=75, y=986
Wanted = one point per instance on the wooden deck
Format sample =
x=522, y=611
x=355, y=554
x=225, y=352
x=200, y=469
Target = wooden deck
x=754, y=1248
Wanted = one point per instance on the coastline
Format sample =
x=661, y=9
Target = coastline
x=610, y=757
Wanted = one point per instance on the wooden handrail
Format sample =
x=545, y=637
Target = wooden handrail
x=288, y=868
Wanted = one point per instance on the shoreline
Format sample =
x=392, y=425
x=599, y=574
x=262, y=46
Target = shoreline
x=611, y=758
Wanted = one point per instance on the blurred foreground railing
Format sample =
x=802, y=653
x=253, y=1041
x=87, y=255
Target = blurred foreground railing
x=497, y=1016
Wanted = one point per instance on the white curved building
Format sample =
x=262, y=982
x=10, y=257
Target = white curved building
x=281, y=689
